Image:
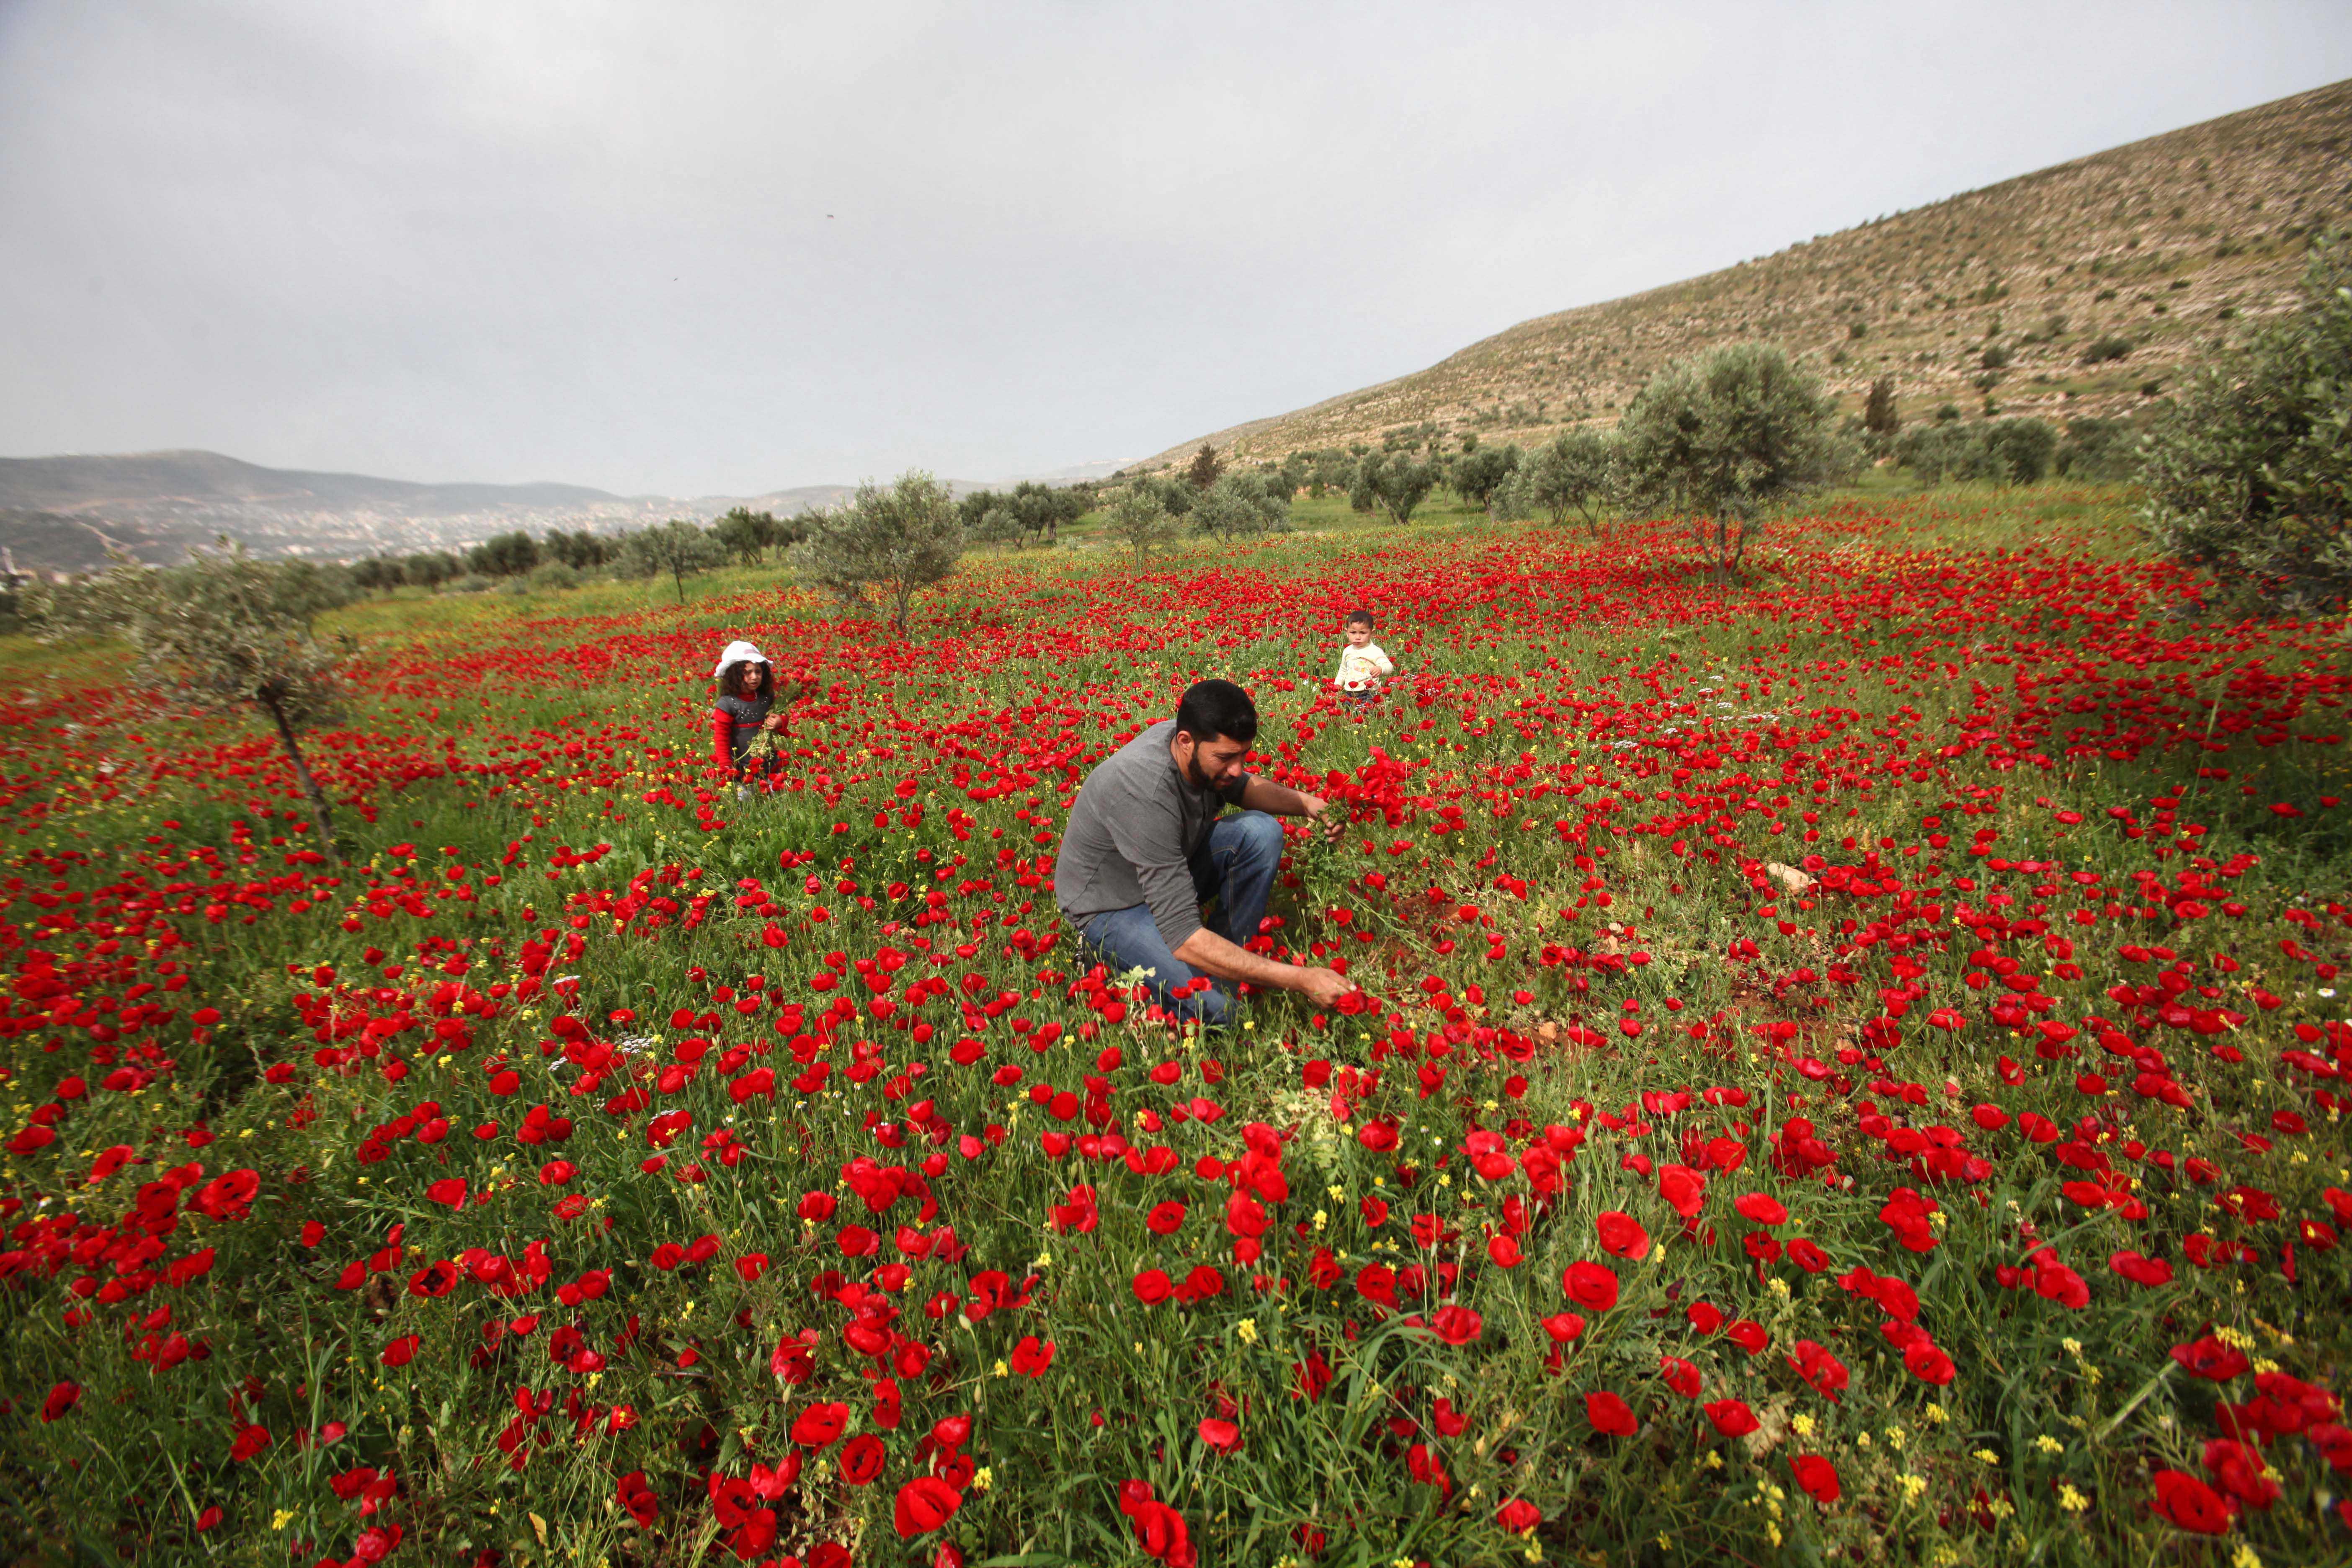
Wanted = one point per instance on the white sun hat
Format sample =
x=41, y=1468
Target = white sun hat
x=738, y=652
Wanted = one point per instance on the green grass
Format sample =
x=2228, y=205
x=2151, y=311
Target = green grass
x=1534, y=653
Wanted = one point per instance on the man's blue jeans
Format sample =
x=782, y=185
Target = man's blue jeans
x=1235, y=867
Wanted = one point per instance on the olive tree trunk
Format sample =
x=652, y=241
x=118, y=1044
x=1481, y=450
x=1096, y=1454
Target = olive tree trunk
x=321, y=813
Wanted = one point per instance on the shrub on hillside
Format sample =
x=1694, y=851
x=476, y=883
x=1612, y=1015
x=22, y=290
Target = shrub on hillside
x=2096, y=450
x=553, y=577
x=2020, y=449
x=2249, y=468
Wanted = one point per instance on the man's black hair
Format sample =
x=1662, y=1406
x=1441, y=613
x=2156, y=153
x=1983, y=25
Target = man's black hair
x=1217, y=710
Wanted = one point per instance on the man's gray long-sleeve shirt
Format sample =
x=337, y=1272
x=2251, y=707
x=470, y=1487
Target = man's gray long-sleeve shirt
x=1131, y=837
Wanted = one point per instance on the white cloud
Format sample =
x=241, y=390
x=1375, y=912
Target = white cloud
x=593, y=244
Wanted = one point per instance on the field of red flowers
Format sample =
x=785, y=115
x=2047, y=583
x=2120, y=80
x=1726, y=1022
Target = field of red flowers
x=1849, y=1066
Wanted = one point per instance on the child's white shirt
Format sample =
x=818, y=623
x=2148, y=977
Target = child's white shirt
x=1362, y=667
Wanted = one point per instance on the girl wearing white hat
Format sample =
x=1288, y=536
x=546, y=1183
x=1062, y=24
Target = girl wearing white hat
x=746, y=708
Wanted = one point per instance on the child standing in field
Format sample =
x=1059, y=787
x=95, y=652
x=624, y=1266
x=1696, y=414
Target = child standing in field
x=745, y=715
x=1362, y=665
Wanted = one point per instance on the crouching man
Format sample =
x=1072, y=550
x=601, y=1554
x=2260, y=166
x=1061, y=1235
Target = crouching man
x=1145, y=848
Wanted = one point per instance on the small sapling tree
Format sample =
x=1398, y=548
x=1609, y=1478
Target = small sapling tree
x=1140, y=521
x=677, y=547
x=221, y=633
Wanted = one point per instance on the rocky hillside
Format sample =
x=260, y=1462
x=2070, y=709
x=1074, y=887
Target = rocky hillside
x=2080, y=289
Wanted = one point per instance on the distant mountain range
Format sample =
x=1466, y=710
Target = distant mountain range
x=2082, y=289
x=61, y=514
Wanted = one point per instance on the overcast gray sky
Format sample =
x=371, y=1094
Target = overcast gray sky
x=698, y=248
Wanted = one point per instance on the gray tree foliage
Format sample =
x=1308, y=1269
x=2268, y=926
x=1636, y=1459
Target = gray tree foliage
x=677, y=547
x=221, y=633
x=1137, y=521
x=1480, y=471
x=1394, y=482
x=1728, y=435
x=2249, y=471
x=1581, y=471
x=1240, y=503
x=894, y=540
x=749, y=535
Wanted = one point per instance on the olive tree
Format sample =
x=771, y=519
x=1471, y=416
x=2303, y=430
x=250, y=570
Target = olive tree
x=1580, y=471
x=221, y=633
x=580, y=550
x=2097, y=450
x=894, y=539
x=1042, y=509
x=1727, y=435
x=747, y=534
x=1239, y=503
x=428, y=568
x=1480, y=471
x=504, y=555
x=997, y=525
x=1138, y=519
x=2021, y=449
x=378, y=574
x=2249, y=471
x=1393, y=482
x=677, y=547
